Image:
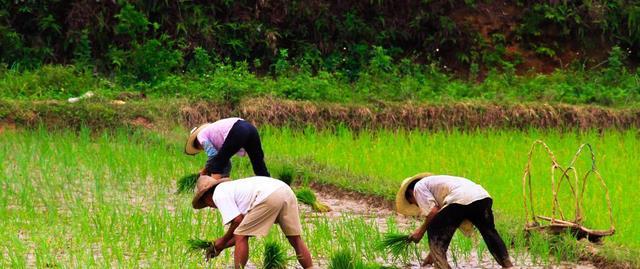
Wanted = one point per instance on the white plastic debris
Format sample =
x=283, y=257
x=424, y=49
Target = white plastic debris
x=86, y=95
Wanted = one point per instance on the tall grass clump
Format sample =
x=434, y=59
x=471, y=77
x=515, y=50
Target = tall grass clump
x=307, y=196
x=275, y=257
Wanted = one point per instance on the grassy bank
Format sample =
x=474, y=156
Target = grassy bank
x=165, y=113
x=226, y=82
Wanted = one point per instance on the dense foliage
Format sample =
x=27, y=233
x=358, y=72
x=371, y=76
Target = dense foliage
x=339, y=51
x=150, y=39
x=610, y=86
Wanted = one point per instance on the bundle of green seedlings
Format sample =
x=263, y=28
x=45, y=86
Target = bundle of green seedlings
x=275, y=257
x=306, y=196
x=344, y=259
x=198, y=244
x=287, y=174
x=187, y=183
x=398, y=245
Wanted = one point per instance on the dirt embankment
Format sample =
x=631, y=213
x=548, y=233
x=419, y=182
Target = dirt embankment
x=276, y=112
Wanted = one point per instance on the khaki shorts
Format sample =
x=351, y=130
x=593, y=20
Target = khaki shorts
x=280, y=207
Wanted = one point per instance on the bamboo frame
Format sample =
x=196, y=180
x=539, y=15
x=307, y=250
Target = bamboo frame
x=577, y=190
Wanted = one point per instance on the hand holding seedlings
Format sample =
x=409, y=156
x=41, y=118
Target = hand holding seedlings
x=217, y=247
x=211, y=253
x=416, y=236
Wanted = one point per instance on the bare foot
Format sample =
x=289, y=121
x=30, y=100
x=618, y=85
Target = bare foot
x=428, y=260
x=508, y=264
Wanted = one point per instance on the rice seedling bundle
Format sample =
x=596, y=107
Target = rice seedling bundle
x=287, y=174
x=198, y=244
x=398, y=245
x=187, y=183
x=344, y=259
x=275, y=257
x=307, y=196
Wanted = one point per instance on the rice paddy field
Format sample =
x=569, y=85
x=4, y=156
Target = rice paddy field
x=108, y=198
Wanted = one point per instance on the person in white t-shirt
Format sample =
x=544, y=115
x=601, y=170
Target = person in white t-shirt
x=251, y=206
x=447, y=201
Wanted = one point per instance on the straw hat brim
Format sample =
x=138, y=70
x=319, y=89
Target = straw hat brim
x=197, y=201
x=402, y=204
x=189, y=148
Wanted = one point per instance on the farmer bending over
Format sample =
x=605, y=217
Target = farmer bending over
x=447, y=201
x=221, y=140
x=251, y=206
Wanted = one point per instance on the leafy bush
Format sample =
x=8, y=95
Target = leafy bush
x=201, y=62
x=48, y=82
x=153, y=60
x=131, y=22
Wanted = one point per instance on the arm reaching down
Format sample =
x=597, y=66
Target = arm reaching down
x=226, y=240
x=420, y=231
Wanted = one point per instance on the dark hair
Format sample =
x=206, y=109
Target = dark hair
x=196, y=143
x=409, y=192
x=209, y=192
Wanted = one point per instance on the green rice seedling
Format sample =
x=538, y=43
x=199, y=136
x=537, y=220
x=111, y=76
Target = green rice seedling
x=79, y=187
x=287, y=174
x=564, y=247
x=342, y=259
x=306, y=196
x=198, y=244
x=275, y=257
x=398, y=245
x=345, y=259
x=187, y=183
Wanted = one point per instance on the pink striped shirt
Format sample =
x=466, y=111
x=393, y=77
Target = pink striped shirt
x=217, y=132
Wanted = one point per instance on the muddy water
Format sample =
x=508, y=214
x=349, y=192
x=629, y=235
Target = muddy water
x=347, y=205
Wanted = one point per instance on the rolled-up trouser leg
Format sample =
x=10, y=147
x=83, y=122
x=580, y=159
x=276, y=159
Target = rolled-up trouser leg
x=441, y=230
x=481, y=215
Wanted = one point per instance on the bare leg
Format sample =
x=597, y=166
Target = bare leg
x=241, y=253
x=302, y=252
